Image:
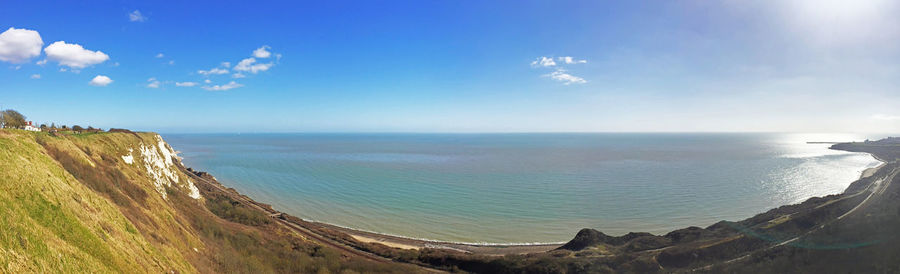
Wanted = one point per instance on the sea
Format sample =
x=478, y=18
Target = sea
x=524, y=188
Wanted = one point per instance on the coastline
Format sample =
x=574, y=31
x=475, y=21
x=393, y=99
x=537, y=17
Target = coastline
x=343, y=237
x=397, y=241
x=866, y=173
x=413, y=243
x=351, y=235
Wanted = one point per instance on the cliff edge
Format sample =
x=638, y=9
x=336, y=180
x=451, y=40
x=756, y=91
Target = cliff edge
x=123, y=202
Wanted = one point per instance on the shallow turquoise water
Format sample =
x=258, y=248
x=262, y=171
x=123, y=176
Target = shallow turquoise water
x=523, y=188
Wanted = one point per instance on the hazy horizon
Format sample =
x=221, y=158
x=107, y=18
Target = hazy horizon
x=455, y=67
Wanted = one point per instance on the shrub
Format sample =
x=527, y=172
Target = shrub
x=229, y=209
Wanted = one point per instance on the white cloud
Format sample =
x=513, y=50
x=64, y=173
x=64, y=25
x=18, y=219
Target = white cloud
x=159, y=55
x=262, y=52
x=185, y=84
x=136, y=16
x=567, y=79
x=238, y=75
x=207, y=81
x=74, y=55
x=19, y=45
x=543, y=62
x=886, y=117
x=213, y=71
x=570, y=60
x=100, y=81
x=41, y=62
x=35, y=76
x=226, y=64
x=251, y=66
x=153, y=83
x=228, y=86
x=171, y=62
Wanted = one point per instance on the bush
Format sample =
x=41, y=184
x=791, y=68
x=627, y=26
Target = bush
x=229, y=209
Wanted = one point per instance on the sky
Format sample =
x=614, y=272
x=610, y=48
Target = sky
x=454, y=66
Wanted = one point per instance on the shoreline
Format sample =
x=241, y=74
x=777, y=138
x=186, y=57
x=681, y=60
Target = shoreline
x=410, y=243
x=480, y=248
x=866, y=173
x=368, y=233
x=414, y=243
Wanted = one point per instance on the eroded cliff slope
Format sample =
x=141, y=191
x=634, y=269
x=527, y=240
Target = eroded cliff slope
x=122, y=202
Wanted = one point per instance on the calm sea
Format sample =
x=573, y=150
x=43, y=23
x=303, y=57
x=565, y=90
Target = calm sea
x=523, y=188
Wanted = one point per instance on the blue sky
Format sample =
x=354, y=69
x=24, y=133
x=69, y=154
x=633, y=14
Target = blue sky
x=455, y=66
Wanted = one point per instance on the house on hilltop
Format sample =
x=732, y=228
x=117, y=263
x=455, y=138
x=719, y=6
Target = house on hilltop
x=31, y=127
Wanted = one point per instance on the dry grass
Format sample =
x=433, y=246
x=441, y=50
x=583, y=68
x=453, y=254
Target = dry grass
x=69, y=204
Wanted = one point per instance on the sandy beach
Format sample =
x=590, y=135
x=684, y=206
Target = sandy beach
x=408, y=243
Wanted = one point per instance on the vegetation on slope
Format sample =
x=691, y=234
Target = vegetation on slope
x=72, y=203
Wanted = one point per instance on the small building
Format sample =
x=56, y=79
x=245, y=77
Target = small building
x=31, y=127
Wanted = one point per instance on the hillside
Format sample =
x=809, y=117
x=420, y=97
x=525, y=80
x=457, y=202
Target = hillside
x=122, y=202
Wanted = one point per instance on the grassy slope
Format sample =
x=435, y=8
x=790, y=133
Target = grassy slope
x=70, y=203
x=53, y=222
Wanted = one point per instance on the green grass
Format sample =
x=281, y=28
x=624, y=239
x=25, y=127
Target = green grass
x=69, y=204
x=69, y=229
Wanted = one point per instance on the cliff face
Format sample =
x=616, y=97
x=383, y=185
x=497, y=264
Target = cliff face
x=122, y=202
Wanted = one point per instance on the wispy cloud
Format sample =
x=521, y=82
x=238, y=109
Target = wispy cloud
x=230, y=85
x=160, y=55
x=560, y=73
x=136, y=16
x=570, y=60
x=250, y=65
x=567, y=79
x=153, y=83
x=262, y=52
x=543, y=62
x=242, y=69
x=213, y=71
x=35, y=76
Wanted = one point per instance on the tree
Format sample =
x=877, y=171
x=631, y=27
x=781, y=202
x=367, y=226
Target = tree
x=12, y=119
x=77, y=128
